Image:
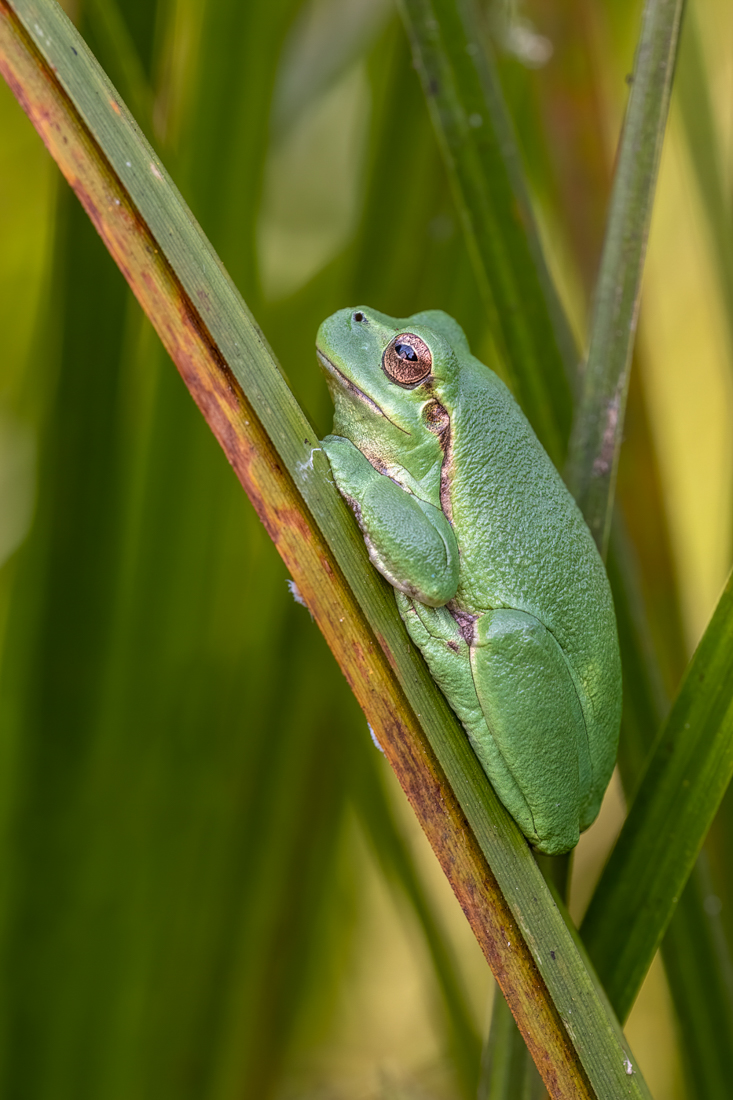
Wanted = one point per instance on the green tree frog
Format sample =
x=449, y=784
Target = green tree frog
x=496, y=575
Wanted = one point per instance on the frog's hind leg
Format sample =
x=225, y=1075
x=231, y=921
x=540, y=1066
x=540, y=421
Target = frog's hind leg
x=437, y=635
x=531, y=706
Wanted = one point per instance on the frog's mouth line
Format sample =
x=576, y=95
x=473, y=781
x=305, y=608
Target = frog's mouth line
x=347, y=384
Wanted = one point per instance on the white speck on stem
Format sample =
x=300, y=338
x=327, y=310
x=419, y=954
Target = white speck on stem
x=602, y=463
x=628, y=1067
x=301, y=467
x=295, y=593
x=128, y=163
x=373, y=736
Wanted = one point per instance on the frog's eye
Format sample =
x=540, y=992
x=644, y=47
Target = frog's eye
x=407, y=360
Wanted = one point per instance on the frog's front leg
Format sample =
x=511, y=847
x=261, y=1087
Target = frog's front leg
x=409, y=541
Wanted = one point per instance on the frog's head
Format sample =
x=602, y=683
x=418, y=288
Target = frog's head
x=383, y=373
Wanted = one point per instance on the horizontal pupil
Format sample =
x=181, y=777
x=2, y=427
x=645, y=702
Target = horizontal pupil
x=406, y=352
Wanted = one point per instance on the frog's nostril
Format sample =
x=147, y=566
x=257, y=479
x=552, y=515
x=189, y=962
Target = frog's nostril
x=359, y=317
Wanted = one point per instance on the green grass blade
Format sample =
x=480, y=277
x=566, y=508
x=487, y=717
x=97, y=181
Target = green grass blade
x=694, y=950
x=683, y=785
x=698, y=966
x=214, y=341
x=646, y=555
x=107, y=26
x=696, y=109
x=399, y=869
x=219, y=171
x=475, y=134
x=506, y=1072
x=599, y=418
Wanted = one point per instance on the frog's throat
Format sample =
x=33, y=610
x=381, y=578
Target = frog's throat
x=352, y=388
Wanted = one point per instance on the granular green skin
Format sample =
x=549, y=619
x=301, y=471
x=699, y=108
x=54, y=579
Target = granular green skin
x=497, y=577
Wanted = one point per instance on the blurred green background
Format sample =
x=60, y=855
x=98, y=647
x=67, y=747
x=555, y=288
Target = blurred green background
x=213, y=887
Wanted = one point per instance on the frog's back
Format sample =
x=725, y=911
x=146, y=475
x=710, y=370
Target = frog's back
x=524, y=545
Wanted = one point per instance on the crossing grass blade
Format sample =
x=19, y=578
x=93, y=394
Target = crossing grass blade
x=694, y=949
x=199, y=316
x=698, y=965
x=506, y=1072
x=474, y=131
x=686, y=777
x=696, y=110
x=599, y=417
x=399, y=870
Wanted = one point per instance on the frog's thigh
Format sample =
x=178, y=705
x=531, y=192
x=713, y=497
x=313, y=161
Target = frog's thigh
x=435, y=632
x=531, y=706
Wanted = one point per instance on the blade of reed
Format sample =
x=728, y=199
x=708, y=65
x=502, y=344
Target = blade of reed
x=698, y=965
x=399, y=869
x=146, y=227
x=395, y=210
x=108, y=25
x=506, y=1072
x=474, y=131
x=694, y=949
x=696, y=109
x=702, y=963
x=598, y=424
x=685, y=779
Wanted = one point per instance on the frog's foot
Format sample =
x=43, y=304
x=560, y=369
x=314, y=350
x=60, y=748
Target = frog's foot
x=531, y=706
x=442, y=643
